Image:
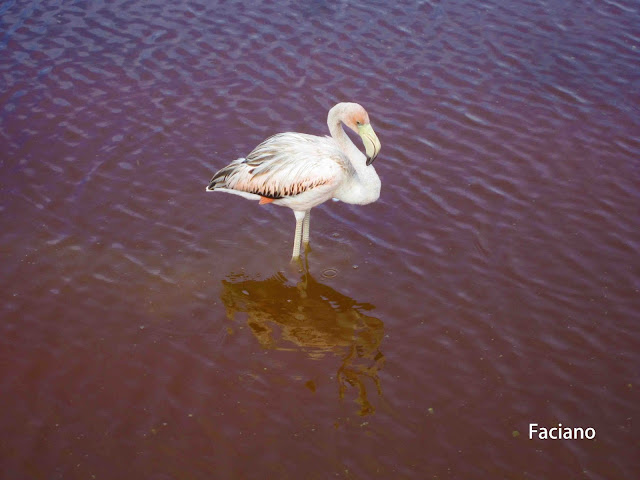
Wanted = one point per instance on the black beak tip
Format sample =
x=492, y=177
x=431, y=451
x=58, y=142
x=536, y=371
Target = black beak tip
x=370, y=160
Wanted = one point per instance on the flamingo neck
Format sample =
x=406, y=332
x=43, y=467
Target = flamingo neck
x=338, y=134
x=363, y=185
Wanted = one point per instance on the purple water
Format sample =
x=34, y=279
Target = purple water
x=152, y=330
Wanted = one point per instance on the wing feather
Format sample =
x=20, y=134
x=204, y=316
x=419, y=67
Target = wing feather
x=286, y=164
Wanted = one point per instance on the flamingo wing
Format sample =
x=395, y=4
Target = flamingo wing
x=285, y=165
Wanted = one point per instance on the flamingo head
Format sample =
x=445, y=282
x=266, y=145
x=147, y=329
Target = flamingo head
x=357, y=119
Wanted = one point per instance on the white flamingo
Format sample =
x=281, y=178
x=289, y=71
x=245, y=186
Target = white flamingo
x=301, y=171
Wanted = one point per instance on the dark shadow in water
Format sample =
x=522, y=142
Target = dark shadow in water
x=314, y=318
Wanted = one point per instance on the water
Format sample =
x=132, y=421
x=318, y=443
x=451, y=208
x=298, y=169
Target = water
x=153, y=330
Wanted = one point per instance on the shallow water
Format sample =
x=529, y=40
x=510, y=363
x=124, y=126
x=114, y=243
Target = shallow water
x=152, y=330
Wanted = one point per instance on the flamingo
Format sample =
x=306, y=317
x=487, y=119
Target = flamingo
x=301, y=171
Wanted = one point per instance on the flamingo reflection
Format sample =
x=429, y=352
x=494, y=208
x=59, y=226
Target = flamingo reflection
x=315, y=318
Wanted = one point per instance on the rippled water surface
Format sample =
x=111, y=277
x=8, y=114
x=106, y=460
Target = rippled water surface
x=151, y=330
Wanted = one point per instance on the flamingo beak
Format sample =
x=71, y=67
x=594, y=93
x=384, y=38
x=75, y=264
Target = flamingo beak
x=370, y=140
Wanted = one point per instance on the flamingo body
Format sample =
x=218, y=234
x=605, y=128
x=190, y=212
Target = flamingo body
x=302, y=171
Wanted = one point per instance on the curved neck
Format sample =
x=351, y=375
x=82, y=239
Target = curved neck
x=334, y=121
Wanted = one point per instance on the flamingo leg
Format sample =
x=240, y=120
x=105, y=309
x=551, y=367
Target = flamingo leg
x=298, y=236
x=305, y=228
